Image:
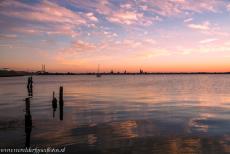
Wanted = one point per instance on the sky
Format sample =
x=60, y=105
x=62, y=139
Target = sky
x=153, y=35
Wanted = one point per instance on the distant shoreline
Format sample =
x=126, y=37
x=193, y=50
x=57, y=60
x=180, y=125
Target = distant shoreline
x=146, y=73
x=105, y=74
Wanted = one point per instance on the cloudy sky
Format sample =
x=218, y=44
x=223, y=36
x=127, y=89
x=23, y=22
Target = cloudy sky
x=77, y=35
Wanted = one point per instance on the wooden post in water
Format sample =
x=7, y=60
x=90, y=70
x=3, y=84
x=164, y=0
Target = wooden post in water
x=61, y=102
x=28, y=123
x=54, y=104
x=61, y=94
x=30, y=86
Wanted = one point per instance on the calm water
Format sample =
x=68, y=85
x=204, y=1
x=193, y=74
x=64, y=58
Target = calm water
x=120, y=114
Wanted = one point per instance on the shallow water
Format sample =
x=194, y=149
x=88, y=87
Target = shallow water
x=120, y=114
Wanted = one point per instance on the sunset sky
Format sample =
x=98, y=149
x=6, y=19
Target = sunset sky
x=77, y=35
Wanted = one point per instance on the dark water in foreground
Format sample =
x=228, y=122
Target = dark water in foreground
x=120, y=114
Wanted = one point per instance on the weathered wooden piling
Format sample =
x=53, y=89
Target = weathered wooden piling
x=61, y=94
x=54, y=104
x=30, y=86
x=28, y=122
x=31, y=82
x=61, y=102
x=28, y=83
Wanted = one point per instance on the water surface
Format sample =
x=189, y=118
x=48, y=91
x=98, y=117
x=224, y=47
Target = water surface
x=120, y=114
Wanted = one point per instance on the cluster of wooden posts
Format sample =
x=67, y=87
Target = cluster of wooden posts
x=61, y=103
x=28, y=116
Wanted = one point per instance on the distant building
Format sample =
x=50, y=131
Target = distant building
x=43, y=70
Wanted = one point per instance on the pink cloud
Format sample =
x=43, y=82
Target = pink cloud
x=79, y=46
x=8, y=36
x=91, y=16
x=125, y=17
x=83, y=46
x=208, y=40
x=60, y=20
x=203, y=26
x=126, y=6
x=131, y=12
x=132, y=18
x=188, y=20
x=177, y=7
x=42, y=12
x=228, y=7
x=208, y=29
x=66, y=30
x=100, y=6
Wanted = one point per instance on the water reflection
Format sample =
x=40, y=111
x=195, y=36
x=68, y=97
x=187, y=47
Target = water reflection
x=28, y=122
x=152, y=114
x=30, y=92
x=225, y=143
x=92, y=139
x=61, y=110
x=28, y=117
x=125, y=129
x=195, y=123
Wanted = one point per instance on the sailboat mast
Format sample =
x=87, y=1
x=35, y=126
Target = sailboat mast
x=98, y=69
